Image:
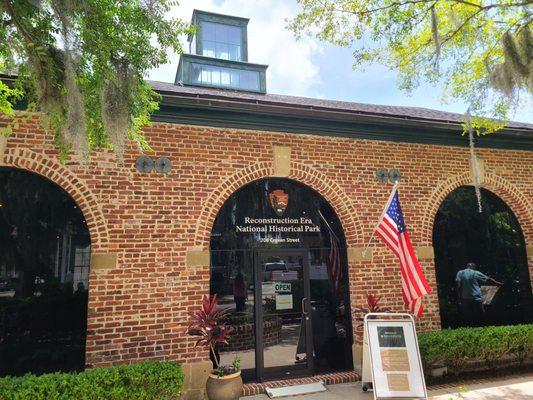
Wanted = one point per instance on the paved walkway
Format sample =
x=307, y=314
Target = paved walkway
x=517, y=388
x=513, y=389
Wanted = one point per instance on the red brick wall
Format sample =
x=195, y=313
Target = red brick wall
x=243, y=336
x=139, y=308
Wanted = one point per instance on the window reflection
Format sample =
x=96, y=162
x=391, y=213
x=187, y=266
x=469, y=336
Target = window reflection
x=282, y=300
x=233, y=281
x=330, y=316
x=222, y=76
x=44, y=270
x=221, y=41
x=494, y=241
x=234, y=251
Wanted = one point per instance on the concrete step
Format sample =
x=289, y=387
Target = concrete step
x=295, y=390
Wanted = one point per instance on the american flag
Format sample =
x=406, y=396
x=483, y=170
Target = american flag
x=333, y=259
x=391, y=229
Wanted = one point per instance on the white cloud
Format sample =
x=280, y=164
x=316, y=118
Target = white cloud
x=292, y=67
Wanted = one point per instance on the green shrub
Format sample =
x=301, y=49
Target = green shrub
x=145, y=381
x=456, y=348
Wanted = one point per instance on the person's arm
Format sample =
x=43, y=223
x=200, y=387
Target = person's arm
x=487, y=279
x=494, y=281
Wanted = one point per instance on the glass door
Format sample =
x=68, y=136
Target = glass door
x=283, y=317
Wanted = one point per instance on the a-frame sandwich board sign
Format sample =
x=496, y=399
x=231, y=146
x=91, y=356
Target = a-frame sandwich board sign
x=391, y=357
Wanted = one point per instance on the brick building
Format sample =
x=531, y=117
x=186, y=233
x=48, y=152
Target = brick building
x=161, y=241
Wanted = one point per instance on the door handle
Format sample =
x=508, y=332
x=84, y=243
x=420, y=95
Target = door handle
x=303, y=306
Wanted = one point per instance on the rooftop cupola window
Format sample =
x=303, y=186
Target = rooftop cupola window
x=222, y=41
x=219, y=55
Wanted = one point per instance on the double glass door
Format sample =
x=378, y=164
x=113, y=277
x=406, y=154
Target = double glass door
x=282, y=314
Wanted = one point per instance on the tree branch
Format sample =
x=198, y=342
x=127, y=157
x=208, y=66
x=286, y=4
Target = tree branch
x=494, y=5
x=398, y=4
x=456, y=31
x=524, y=25
x=20, y=26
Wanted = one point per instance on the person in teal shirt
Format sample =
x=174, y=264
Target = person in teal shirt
x=468, y=282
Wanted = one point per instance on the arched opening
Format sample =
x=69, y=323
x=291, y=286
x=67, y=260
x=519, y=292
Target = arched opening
x=44, y=272
x=493, y=241
x=279, y=264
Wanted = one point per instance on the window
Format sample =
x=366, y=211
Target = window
x=81, y=254
x=492, y=239
x=226, y=77
x=44, y=269
x=221, y=41
x=201, y=71
x=236, y=268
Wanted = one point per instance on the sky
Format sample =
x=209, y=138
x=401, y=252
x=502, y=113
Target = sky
x=309, y=67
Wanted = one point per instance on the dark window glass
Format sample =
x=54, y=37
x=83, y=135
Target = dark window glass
x=278, y=214
x=494, y=241
x=44, y=271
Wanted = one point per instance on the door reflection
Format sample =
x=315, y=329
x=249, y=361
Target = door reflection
x=283, y=298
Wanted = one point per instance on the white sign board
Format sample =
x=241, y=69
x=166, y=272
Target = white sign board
x=488, y=293
x=268, y=288
x=284, y=302
x=394, y=358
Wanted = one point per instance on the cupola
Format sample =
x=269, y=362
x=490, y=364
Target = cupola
x=218, y=55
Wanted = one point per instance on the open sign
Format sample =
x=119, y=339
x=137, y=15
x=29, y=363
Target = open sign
x=282, y=287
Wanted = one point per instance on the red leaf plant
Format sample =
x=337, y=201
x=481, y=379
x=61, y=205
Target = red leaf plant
x=373, y=306
x=207, y=325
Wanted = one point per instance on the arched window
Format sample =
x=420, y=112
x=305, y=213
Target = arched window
x=279, y=264
x=44, y=272
x=493, y=241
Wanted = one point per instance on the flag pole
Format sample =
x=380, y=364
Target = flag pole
x=394, y=188
x=327, y=225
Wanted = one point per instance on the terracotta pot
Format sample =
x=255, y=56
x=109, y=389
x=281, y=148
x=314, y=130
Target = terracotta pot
x=227, y=387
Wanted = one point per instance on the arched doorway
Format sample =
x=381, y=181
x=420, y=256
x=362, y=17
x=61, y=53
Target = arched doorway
x=44, y=270
x=491, y=239
x=279, y=264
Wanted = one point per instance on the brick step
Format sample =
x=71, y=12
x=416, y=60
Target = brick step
x=251, y=389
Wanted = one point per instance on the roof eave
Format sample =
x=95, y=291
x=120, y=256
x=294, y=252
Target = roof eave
x=252, y=105
x=212, y=110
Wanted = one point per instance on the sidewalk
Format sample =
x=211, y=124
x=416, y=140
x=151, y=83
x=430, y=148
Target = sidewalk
x=517, y=388
x=514, y=388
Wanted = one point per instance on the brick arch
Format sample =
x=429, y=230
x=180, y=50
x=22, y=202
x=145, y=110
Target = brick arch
x=56, y=172
x=509, y=193
x=302, y=173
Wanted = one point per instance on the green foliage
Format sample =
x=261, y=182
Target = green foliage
x=8, y=96
x=224, y=370
x=481, y=52
x=236, y=363
x=145, y=381
x=5, y=105
x=456, y=348
x=83, y=64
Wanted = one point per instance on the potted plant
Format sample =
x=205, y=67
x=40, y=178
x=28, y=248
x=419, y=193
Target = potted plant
x=373, y=306
x=225, y=382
